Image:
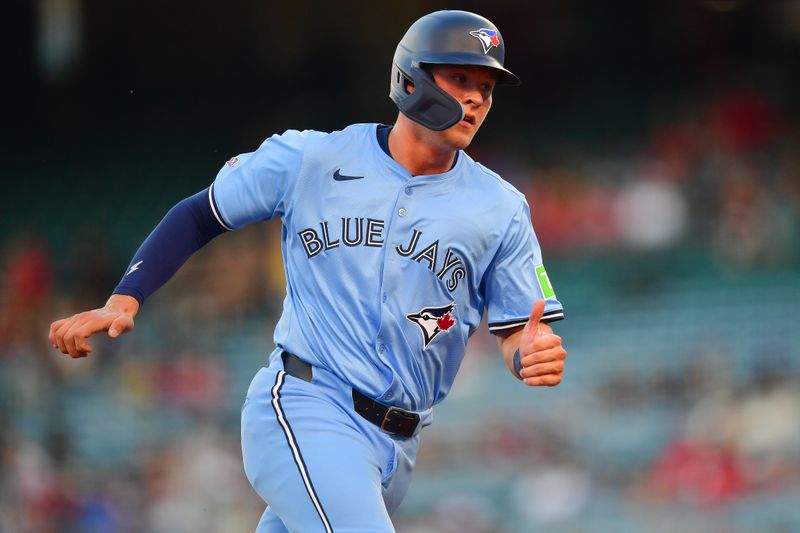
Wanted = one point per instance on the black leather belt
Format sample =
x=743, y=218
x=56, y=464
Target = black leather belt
x=390, y=419
x=294, y=366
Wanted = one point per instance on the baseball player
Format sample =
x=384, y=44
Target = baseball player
x=394, y=244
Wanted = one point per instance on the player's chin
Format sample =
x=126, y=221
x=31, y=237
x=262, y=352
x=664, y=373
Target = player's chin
x=458, y=139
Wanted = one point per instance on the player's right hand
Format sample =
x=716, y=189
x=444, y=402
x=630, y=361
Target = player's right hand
x=70, y=335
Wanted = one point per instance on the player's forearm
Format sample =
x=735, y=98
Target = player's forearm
x=186, y=228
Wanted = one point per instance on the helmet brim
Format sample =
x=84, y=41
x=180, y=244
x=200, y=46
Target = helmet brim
x=504, y=76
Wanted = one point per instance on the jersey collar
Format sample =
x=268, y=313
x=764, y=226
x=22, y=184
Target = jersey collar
x=381, y=141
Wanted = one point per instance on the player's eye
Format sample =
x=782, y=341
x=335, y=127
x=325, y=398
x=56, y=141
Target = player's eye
x=460, y=78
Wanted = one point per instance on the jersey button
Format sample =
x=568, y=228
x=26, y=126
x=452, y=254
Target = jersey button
x=389, y=396
x=401, y=211
x=385, y=297
x=409, y=190
x=381, y=348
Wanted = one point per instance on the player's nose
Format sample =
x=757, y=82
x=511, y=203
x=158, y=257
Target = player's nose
x=473, y=95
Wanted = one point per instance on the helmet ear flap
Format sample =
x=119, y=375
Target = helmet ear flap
x=429, y=105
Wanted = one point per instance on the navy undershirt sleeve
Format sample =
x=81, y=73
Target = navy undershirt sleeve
x=186, y=228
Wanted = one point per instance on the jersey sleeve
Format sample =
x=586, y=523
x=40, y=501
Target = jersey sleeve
x=254, y=186
x=517, y=278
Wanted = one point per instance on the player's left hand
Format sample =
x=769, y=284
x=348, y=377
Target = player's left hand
x=542, y=355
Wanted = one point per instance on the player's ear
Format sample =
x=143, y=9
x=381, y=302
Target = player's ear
x=408, y=85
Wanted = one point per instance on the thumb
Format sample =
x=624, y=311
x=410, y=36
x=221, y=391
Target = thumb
x=536, y=316
x=121, y=324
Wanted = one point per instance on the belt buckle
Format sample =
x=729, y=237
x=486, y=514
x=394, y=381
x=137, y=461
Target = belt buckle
x=408, y=418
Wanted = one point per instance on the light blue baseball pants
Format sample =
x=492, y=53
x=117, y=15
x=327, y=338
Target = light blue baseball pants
x=318, y=464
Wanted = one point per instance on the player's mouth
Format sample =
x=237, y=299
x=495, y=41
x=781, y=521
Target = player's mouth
x=469, y=119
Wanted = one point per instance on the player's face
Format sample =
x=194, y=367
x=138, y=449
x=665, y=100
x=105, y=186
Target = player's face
x=472, y=86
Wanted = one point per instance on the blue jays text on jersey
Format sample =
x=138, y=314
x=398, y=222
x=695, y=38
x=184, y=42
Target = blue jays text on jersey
x=388, y=274
x=369, y=232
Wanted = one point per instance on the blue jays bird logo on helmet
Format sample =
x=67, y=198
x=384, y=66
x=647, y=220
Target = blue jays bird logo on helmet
x=433, y=320
x=487, y=37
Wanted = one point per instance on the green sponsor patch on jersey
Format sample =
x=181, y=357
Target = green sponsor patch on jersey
x=544, y=282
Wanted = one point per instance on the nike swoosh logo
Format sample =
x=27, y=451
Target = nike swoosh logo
x=338, y=176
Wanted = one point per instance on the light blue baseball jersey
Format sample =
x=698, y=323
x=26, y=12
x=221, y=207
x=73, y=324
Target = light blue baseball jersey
x=388, y=274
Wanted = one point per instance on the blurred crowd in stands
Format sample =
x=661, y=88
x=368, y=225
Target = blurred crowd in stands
x=721, y=174
x=723, y=451
x=143, y=437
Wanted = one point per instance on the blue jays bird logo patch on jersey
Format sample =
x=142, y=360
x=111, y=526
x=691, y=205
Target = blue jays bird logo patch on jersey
x=487, y=37
x=433, y=320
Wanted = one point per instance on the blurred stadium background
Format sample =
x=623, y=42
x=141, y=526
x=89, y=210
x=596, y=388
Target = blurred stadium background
x=658, y=144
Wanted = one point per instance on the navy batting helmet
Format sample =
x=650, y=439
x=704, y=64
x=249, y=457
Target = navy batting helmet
x=443, y=38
